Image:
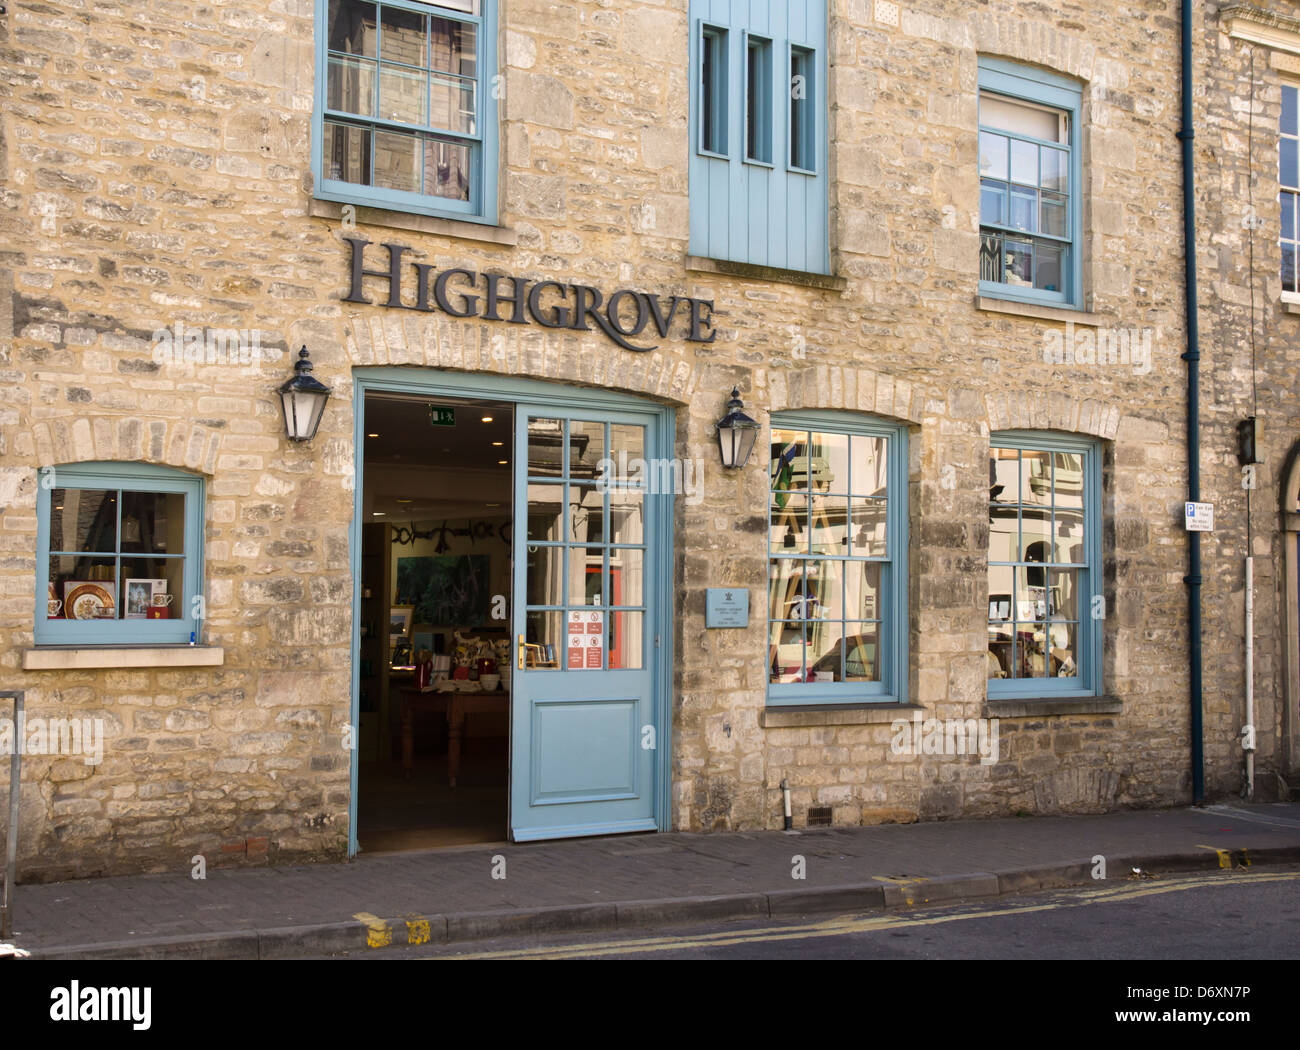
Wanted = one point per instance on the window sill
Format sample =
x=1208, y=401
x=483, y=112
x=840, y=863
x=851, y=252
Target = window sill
x=725, y=267
x=1291, y=306
x=400, y=220
x=1034, y=707
x=1035, y=310
x=77, y=658
x=834, y=715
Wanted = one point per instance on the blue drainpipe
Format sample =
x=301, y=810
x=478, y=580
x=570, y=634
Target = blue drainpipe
x=1193, y=358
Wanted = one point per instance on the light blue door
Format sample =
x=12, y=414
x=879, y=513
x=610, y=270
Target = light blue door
x=587, y=539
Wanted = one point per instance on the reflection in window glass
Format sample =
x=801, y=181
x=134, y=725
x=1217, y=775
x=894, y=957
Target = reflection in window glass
x=402, y=93
x=1024, y=160
x=1037, y=563
x=827, y=556
x=586, y=552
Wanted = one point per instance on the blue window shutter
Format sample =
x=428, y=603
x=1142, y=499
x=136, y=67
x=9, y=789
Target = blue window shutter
x=768, y=212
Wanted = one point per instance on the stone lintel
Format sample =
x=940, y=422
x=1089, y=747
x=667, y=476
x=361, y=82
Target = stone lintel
x=1258, y=26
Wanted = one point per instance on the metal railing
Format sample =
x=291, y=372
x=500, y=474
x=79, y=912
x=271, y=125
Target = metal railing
x=15, y=792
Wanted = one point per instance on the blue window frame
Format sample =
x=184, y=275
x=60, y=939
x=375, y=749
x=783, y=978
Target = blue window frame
x=405, y=114
x=758, y=99
x=712, y=87
x=758, y=165
x=837, y=556
x=1030, y=183
x=1288, y=169
x=111, y=536
x=1045, y=602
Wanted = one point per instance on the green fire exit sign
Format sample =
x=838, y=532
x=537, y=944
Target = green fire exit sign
x=442, y=416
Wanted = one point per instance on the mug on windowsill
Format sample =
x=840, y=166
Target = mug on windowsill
x=52, y=609
x=158, y=607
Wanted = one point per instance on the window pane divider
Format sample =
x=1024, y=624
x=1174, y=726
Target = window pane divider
x=1012, y=231
x=381, y=124
x=1019, y=136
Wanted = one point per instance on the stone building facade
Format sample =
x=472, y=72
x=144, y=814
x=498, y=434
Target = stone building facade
x=156, y=170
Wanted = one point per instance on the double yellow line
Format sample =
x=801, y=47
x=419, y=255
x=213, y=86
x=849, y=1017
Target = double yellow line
x=845, y=925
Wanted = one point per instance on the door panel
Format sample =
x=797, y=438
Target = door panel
x=583, y=687
x=565, y=770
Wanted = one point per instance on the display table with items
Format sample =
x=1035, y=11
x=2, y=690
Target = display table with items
x=456, y=706
x=460, y=684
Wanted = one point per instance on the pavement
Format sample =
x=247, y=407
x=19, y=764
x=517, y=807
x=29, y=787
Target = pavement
x=640, y=881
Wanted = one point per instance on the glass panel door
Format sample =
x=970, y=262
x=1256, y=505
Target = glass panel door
x=583, y=681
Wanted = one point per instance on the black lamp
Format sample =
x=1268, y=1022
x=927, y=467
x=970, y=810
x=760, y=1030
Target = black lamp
x=736, y=433
x=303, y=399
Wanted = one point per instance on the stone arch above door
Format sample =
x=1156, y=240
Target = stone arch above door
x=168, y=443
x=510, y=350
x=1035, y=410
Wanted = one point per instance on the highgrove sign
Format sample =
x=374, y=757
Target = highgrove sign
x=551, y=304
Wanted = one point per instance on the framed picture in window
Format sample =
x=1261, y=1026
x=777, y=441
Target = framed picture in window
x=399, y=624
x=139, y=596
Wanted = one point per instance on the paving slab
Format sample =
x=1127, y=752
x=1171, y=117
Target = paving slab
x=452, y=894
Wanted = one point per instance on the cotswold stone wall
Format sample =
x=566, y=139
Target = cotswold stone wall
x=1245, y=374
x=155, y=169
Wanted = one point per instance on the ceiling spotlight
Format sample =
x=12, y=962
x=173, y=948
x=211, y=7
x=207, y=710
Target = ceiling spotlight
x=372, y=435
x=502, y=462
x=487, y=419
x=378, y=513
x=406, y=501
x=497, y=444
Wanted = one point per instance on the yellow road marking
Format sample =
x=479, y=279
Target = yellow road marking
x=850, y=925
x=378, y=933
x=417, y=930
x=906, y=882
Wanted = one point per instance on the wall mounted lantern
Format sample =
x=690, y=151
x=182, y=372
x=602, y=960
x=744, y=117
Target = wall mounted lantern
x=736, y=433
x=303, y=399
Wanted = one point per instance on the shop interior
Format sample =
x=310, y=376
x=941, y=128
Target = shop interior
x=434, y=656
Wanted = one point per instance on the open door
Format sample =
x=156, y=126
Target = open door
x=582, y=690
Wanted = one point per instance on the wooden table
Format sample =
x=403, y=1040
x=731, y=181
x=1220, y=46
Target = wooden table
x=455, y=706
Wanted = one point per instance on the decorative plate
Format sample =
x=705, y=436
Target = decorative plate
x=89, y=602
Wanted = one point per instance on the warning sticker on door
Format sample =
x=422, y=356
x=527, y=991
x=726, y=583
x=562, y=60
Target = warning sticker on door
x=586, y=639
